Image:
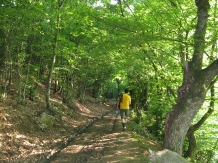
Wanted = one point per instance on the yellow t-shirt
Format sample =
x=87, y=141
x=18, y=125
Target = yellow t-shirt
x=126, y=101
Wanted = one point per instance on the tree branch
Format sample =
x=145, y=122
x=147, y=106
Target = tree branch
x=210, y=73
x=199, y=35
x=121, y=9
x=210, y=110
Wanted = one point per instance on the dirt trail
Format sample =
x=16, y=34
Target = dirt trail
x=101, y=141
x=105, y=142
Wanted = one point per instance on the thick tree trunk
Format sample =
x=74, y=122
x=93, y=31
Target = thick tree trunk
x=178, y=121
x=192, y=93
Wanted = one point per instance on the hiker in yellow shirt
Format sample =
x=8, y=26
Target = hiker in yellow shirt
x=124, y=107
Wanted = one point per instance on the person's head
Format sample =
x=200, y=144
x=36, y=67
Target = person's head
x=126, y=90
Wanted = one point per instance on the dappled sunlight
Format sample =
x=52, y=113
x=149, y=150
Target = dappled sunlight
x=25, y=145
x=106, y=104
x=73, y=123
x=97, y=109
x=98, y=142
x=19, y=136
x=82, y=108
x=74, y=149
x=111, y=142
x=22, y=140
x=76, y=123
x=4, y=123
x=152, y=143
x=56, y=100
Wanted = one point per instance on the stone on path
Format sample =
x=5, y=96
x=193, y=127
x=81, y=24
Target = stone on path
x=167, y=156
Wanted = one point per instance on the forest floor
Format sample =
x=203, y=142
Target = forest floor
x=70, y=140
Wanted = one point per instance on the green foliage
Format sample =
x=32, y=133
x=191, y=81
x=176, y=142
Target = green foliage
x=207, y=141
x=32, y=92
x=144, y=45
x=45, y=121
x=146, y=123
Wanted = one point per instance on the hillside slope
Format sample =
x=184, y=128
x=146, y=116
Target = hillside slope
x=21, y=139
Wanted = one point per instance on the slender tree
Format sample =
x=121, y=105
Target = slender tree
x=55, y=44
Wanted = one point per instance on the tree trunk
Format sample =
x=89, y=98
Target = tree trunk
x=192, y=93
x=25, y=83
x=191, y=137
x=192, y=145
x=118, y=81
x=48, y=104
x=7, y=67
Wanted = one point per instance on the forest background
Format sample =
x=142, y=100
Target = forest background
x=165, y=52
